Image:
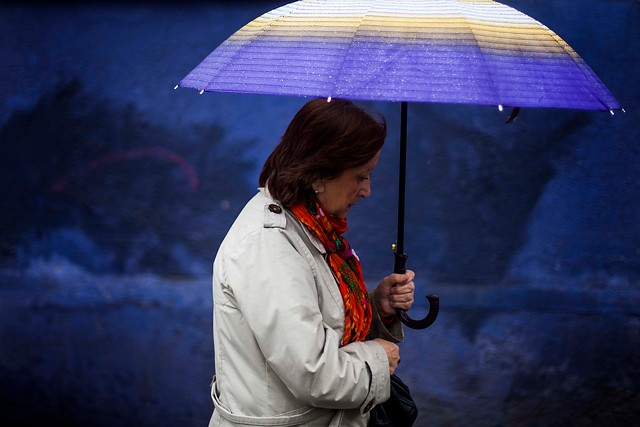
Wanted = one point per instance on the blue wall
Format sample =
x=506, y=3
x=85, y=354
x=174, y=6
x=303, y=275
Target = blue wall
x=117, y=188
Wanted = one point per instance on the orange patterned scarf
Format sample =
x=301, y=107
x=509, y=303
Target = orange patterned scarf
x=345, y=265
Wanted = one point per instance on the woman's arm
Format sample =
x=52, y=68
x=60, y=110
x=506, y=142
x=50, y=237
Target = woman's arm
x=394, y=291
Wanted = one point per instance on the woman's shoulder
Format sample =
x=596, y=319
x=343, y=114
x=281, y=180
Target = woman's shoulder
x=262, y=211
x=260, y=215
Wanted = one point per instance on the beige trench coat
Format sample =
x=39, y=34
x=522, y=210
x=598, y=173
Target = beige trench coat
x=278, y=324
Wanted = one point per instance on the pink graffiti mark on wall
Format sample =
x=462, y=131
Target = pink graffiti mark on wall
x=135, y=153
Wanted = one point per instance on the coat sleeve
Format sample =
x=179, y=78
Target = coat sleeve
x=391, y=332
x=274, y=287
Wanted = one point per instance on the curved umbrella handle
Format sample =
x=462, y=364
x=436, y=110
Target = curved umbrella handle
x=434, y=309
x=434, y=300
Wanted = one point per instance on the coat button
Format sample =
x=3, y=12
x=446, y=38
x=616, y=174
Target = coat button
x=275, y=208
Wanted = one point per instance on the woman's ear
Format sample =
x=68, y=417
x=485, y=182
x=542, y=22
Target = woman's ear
x=318, y=186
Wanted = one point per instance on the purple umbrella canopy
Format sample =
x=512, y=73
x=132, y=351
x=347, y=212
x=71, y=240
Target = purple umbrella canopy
x=449, y=51
x=444, y=51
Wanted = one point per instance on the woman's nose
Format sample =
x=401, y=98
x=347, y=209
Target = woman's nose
x=365, y=189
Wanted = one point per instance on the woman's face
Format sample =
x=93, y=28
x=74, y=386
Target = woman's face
x=339, y=194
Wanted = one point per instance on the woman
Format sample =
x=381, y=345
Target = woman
x=298, y=339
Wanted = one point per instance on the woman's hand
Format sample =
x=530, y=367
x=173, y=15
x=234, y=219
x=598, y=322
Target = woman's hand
x=393, y=353
x=394, y=291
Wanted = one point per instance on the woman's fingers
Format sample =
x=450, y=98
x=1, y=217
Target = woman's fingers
x=393, y=353
x=402, y=296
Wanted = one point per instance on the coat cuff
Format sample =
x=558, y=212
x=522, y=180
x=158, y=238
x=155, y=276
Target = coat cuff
x=380, y=388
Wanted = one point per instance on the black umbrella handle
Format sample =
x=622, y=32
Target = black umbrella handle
x=434, y=300
x=400, y=256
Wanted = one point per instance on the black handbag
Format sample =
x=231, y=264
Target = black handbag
x=399, y=411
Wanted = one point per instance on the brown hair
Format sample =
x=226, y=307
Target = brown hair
x=323, y=140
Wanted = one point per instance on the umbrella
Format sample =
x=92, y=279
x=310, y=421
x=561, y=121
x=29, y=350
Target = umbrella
x=449, y=51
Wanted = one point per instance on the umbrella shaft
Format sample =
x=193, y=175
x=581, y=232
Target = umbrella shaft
x=402, y=178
